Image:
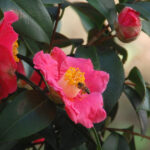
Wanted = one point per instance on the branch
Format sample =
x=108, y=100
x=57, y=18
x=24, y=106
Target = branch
x=130, y=83
x=55, y=27
x=29, y=61
x=127, y=131
x=96, y=37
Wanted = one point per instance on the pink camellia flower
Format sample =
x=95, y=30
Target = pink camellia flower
x=9, y=62
x=128, y=25
x=76, y=83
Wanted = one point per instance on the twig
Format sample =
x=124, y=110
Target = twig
x=128, y=131
x=55, y=27
x=29, y=61
x=106, y=38
x=34, y=86
x=130, y=83
x=95, y=38
x=136, y=1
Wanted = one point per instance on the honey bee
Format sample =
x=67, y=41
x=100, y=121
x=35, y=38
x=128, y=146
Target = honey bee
x=83, y=88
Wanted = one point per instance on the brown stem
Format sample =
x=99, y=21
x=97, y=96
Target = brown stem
x=106, y=38
x=128, y=131
x=95, y=38
x=136, y=1
x=55, y=27
x=130, y=83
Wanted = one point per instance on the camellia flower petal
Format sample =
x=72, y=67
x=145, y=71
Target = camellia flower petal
x=8, y=51
x=76, y=83
x=128, y=25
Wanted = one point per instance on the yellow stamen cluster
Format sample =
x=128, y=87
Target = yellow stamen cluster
x=73, y=76
x=15, y=51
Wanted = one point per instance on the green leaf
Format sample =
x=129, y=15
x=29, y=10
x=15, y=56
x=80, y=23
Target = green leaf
x=142, y=7
x=146, y=27
x=1, y=15
x=110, y=62
x=136, y=77
x=90, y=17
x=25, y=115
x=107, y=8
x=136, y=103
x=34, y=22
x=125, y=1
x=52, y=1
x=31, y=45
x=89, y=52
x=115, y=142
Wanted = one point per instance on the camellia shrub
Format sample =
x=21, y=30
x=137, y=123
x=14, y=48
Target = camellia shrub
x=53, y=101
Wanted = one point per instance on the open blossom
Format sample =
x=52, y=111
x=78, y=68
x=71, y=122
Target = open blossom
x=128, y=25
x=76, y=83
x=9, y=62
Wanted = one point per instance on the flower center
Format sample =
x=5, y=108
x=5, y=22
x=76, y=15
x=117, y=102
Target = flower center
x=70, y=80
x=73, y=76
x=15, y=51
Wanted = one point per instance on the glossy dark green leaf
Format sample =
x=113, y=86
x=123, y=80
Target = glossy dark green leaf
x=52, y=1
x=115, y=142
x=142, y=7
x=107, y=8
x=31, y=45
x=25, y=115
x=110, y=62
x=122, y=51
x=136, y=103
x=1, y=15
x=113, y=112
x=22, y=48
x=126, y=1
x=89, y=52
x=146, y=27
x=90, y=17
x=136, y=77
x=34, y=20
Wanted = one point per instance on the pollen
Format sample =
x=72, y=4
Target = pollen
x=15, y=51
x=73, y=76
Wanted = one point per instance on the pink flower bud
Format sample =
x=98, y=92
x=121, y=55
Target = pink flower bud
x=128, y=25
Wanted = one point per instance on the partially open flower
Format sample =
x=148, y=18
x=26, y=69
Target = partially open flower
x=9, y=62
x=128, y=25
x=76, y=83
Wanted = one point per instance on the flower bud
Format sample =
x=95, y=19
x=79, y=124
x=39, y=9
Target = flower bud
x=128, y=25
